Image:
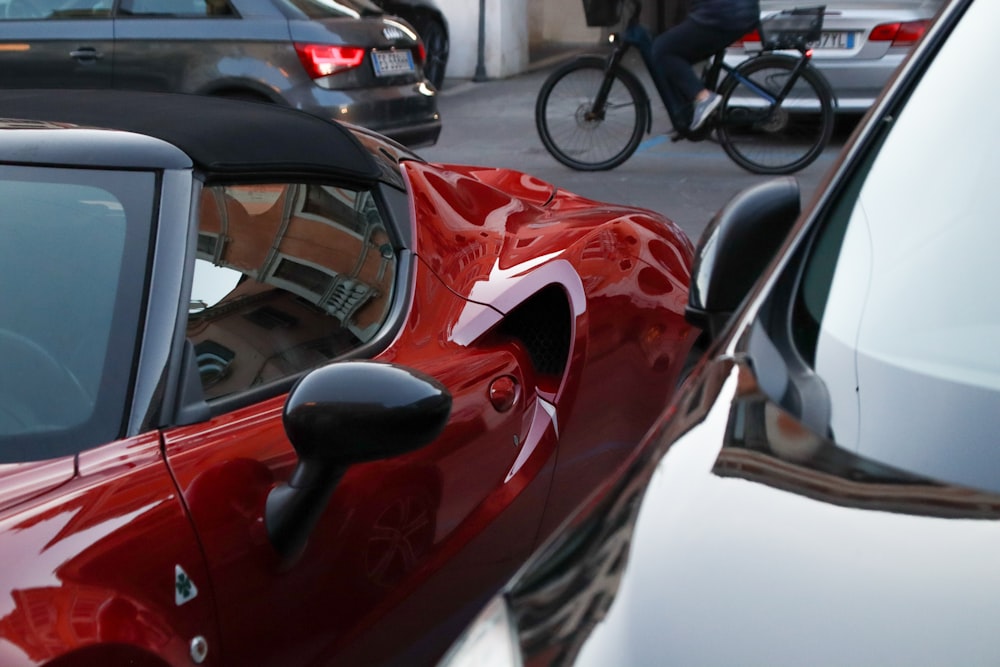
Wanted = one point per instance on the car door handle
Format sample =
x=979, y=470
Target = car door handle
x=86, y=53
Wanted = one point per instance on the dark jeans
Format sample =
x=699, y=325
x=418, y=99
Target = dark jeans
x=674, y=53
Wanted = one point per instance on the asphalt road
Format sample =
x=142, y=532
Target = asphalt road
x=492, y=124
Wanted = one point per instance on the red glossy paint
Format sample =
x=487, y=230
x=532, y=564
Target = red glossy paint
x=90, y=563
x=389, y=524
x=629, y=336
x=408, y=547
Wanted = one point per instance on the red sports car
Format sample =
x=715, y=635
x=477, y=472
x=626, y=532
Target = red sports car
x=275, y=391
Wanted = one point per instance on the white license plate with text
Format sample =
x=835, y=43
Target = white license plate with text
x=391, y=63
x=839, y=40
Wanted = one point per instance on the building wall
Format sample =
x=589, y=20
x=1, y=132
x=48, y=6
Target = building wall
x=513, y=26
x=564, y=21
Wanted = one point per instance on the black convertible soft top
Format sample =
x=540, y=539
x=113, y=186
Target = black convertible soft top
x=223, y=137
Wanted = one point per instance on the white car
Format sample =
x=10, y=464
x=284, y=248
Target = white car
x=863, y=43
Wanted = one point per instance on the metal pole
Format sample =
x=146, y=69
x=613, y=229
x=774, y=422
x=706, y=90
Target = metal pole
x=480, y=74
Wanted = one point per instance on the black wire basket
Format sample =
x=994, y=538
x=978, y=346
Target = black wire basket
x=792, y=28
x=602, y=13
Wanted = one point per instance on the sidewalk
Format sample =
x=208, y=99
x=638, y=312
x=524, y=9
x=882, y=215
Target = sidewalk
x=541, y=56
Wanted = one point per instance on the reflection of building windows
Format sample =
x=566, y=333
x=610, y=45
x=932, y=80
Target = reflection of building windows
x=208, y=244
x=337, y=294
x=327, y=202
x=348, y=295
x=348, y=209
x=213, y=361
x=288, y=277
x=271, y=318
x=303, y=279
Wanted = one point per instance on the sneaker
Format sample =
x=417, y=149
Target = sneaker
x=704, y=109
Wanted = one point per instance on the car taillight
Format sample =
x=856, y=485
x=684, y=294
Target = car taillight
x=752, y=36
x=323, y=59
x=421, y=53
x=900, y=34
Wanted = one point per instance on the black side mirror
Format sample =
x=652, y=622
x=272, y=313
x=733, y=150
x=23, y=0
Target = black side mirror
x=346, y=413
x=736, y=247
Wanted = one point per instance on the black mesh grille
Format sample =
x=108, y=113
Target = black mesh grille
x=542, y=323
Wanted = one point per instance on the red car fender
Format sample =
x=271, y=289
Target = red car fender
x=107, y=567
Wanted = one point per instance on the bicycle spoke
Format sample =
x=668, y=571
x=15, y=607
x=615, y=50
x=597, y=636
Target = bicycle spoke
x=770, y=138
x=572, y=126
x=580, y=135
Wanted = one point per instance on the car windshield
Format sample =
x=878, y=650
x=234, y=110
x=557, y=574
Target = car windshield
x=73, y=245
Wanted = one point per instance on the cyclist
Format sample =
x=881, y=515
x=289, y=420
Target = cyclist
x=710, y=25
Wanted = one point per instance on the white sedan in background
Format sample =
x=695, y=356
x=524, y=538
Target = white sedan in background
x=863, y=43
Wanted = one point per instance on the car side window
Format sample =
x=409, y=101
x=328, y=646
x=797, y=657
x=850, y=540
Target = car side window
x=177, y=8
x=73, y=247
x=897, y=309
x=288, y=276
x=53, y=9
x=321, y=9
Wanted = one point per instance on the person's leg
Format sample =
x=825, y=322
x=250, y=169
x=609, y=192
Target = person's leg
x=674, y=78
x=675, y=52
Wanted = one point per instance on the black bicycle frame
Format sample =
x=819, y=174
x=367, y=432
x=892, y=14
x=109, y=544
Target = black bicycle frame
x=636, y=35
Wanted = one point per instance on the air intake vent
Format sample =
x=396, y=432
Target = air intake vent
x=542, y=324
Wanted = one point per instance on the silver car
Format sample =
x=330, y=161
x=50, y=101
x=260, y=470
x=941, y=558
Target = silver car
x=863, y=43
x=345, y=60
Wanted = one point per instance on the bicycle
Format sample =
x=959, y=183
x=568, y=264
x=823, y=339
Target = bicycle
x=776, y=116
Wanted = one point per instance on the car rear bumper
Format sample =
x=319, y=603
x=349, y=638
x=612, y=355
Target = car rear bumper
x=855, y=82
x=407, y=113
x=415, y=136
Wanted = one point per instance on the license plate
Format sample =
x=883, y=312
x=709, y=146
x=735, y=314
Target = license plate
x=391, y=63
x=836, y=40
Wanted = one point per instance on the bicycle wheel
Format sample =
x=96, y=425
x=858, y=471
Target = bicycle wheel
x=577, y=135
x=768, y=139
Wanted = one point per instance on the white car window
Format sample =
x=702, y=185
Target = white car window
x=907, y=340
